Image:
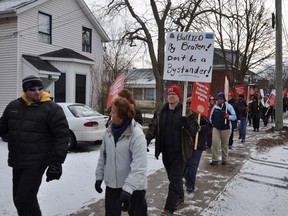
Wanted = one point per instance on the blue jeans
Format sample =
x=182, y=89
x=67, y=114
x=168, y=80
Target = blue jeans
x=242, y=128
x=191, y=169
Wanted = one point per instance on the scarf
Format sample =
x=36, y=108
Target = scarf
x=117, y=130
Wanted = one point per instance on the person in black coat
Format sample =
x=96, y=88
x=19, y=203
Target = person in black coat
x=37, y=138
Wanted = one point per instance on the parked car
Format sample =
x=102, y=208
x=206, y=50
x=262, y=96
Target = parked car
x=85, y=123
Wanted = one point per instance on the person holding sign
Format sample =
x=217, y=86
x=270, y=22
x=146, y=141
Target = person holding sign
x=221, y=116
x=193, y=162
x=174, y=139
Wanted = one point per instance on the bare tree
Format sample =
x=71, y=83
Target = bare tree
x=243, y=27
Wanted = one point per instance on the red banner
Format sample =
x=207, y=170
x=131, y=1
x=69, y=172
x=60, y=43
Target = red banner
x=115, y=88
x=200, y=98
x=240, y=90
x=272, y=98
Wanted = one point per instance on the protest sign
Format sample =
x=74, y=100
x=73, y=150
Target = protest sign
x=272, y=98
x=200, y=98
x=240, y=90
x=115, y=88
x=189, y=56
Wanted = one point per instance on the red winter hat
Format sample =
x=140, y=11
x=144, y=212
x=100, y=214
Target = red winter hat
x=175, y=89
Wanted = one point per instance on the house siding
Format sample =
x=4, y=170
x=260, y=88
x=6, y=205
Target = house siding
x=67, y=22
x=8, y=59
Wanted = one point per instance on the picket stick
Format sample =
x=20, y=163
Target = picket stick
x=197, y=134
x=184, y=98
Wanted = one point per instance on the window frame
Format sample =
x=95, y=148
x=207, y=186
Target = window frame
x=41, y=33
x=87, y=47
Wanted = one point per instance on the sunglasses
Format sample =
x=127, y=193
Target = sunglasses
x=35, y=89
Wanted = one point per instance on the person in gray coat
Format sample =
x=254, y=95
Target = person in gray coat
x=122, y=163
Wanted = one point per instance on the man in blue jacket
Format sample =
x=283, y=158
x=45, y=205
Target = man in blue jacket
x=37, y=138
x=221, y=116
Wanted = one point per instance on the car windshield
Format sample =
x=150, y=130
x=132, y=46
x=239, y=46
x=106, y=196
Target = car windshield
x=82, y=111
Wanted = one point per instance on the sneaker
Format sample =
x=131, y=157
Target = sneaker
x=167, y=213
x=230, y=147
x=214, y=163
x=224, y=162
x=243, y=140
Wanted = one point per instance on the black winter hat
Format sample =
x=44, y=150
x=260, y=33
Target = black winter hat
x=31, y=81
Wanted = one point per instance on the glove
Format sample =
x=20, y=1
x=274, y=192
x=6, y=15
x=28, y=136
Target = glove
x=98, y=186
x=203, y=128
x=124, y=201
x=184, y=122
x=226, y=116
x=53, y=172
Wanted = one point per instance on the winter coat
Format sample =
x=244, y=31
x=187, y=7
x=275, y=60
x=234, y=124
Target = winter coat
x=157, y=130
x=241, y=108
x=217, y=116
x=233, y=104
x=37, y=134
x=124, y=164
x=254, y=109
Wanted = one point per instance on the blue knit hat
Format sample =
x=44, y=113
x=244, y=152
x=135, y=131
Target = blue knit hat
x=221, y=96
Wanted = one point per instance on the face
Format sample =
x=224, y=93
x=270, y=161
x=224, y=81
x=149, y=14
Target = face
x=173, y=98
x=34, y=93
x=220, y=101
x=114, y=116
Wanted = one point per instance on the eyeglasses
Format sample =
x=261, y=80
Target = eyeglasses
x=35, y=89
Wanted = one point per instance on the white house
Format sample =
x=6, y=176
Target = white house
x=59, y=40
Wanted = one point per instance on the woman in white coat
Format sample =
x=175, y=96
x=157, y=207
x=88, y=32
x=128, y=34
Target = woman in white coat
x=122, y=163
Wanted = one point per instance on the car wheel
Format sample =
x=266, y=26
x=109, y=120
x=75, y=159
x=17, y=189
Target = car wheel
x=5, y=138
x=72, y=143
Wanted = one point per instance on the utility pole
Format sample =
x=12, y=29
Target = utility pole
x=278, y=62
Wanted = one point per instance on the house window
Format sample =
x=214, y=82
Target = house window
x=137, y=93
x=149, y=94
x=44, y=28
x=60, y=88
x=86, y=39
x=80, y=89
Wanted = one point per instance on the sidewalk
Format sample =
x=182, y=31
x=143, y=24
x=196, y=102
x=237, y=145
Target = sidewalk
x=212, y=181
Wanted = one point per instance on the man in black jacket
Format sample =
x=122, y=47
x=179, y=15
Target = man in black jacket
x=37, y=138
x=175, y=147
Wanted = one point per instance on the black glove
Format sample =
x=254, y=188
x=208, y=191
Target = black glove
x=184, y=122
x=53, y=172
x=203, y=128
x=124, y=201
x=98, y=186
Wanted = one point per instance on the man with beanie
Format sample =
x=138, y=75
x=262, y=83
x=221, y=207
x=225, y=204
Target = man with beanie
x=174, y=135
x=37, y=138
x=221, y=116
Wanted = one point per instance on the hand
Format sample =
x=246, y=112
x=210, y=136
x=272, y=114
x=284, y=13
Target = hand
x=203, y=128
x=124, y=201
x=226, y=116
x=98, y=186
x=184, y=122
x=54, y=172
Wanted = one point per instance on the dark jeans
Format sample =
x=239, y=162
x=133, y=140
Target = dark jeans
x=26, y=183
x=175, y=166
x=191, y=169
x=112, y=207
x=231, y=137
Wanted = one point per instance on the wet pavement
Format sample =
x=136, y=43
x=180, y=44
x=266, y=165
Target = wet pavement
x=211, y=180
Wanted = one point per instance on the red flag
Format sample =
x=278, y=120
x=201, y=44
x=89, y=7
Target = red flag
x=200, y=98
x=115, y=88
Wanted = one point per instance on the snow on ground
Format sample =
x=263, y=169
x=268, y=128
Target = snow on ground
x=74, y=190
x=259, y=189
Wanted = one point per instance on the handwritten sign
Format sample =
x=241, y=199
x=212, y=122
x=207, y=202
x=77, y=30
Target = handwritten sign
x=272, y=98
x=189, y=56
x=200, y=98
x=115, y=88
